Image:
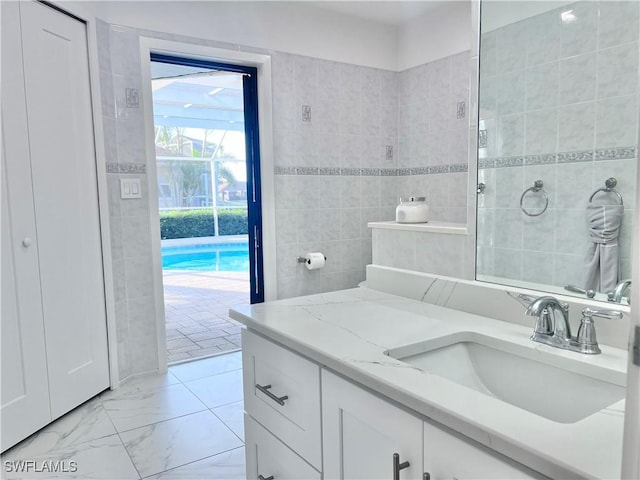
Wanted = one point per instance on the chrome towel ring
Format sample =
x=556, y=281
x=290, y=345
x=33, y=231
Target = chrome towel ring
x=537, y=188
x=609, y=185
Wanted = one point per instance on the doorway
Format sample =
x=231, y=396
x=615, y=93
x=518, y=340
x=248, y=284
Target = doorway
x=208, y=174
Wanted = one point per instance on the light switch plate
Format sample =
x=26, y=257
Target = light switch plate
x=130, y=188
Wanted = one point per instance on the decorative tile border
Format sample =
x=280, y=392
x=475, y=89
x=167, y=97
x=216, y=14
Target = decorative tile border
x=350, y=172
x=617, y=153
x=307, y=170
x=439, y=169
x=372, y=172
x=458, y=168
x=328, y=171
x=486, y=163
x=137, y=168
x=542, y=159
x=572, y=157
x=613, y=153
x=509, y=162
x=284, y=170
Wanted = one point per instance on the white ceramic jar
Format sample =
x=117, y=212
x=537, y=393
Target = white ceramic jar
x=412, y=210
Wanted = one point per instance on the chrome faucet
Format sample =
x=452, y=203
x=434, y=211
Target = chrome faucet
x=619, y=291
x=555, y=330
x=548, y=329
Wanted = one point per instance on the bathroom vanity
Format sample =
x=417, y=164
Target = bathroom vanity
x=361, y=384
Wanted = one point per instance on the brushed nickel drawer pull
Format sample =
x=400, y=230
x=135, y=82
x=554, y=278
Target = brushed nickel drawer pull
x=279, y=400
x=260, y=477
x=397, y=466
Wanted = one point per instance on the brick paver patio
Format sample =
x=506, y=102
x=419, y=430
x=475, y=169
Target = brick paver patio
x=196, y=312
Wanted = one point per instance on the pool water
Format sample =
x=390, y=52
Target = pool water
x=221, y=257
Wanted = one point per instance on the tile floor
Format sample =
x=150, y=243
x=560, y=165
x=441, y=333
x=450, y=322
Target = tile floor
x=187, y=424
x=196, y=312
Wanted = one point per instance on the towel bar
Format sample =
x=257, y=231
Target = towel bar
x=537, y=187
x=610, y=183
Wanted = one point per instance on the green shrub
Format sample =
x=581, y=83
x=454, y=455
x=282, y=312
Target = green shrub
x=199, y=223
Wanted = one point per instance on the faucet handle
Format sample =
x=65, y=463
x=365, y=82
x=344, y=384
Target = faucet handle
x=586, y=341
x=609, y=314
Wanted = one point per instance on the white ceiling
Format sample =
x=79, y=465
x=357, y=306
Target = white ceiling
x=389, y=12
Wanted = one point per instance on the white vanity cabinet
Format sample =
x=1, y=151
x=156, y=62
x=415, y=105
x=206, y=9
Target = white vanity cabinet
x=361, y=434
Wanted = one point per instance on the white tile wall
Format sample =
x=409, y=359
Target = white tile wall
x=356, y=113
x=434, y=253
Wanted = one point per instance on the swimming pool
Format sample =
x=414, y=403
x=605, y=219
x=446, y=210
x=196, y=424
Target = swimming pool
x=216, y=257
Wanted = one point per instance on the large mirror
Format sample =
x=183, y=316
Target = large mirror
x=557, y=137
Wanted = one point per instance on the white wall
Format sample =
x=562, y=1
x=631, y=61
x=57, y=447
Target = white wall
x=292, y=27
x=438, y=33
x=299, y=28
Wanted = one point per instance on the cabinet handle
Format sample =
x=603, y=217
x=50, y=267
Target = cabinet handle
x=260, y=477
x=279, y=400
x=426, y=476
x=26, y=242
x=397, y=466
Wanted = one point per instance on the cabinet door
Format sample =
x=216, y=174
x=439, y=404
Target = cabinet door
x=63, y=165
x=448, y=455
x=362, y=432
x=25, y=391
x=268, y=457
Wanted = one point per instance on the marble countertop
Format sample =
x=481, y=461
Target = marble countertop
x=348, y=331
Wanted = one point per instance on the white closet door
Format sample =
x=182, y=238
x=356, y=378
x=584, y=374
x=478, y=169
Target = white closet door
x=25, y=391
x=66, y=204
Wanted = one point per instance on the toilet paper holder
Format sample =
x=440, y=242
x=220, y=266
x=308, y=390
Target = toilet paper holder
x=306, y=260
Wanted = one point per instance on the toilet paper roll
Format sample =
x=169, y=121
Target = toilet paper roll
x=315, y=260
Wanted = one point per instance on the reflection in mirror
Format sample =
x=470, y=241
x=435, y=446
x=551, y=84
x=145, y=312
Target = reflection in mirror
x=557, y=136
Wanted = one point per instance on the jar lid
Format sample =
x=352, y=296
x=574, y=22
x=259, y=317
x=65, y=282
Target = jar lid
x=412, y=199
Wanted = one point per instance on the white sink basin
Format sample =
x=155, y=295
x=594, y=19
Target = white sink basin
x=555, y=387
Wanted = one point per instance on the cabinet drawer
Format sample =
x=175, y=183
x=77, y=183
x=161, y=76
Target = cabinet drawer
x=267, y=456
x=280, y=373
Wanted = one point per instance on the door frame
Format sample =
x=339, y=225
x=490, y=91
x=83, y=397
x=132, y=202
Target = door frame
x=631, y=439
x=262, y=63
x=252, y=160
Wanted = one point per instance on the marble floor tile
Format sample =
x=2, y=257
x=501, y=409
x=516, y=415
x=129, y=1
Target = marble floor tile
x=219, y=389
x=87, y=422
x=224, y=466
x=207, y=367
x=135, y=408
x=162, y=446
x=233, y=417
x=102, y=458
x=144, y=383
